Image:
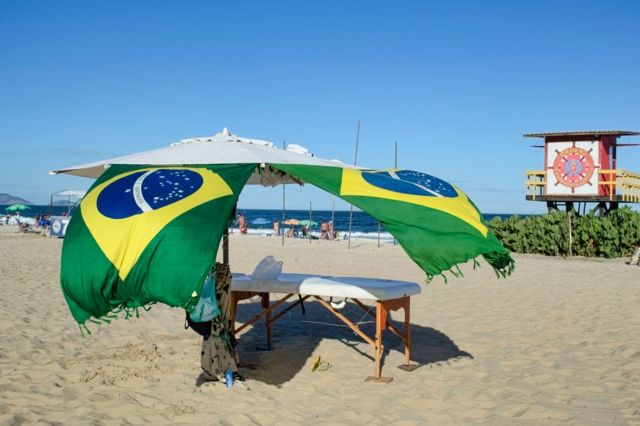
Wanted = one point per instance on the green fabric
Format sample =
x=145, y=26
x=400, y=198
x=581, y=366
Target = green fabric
x=436, y=239
x=175, y=252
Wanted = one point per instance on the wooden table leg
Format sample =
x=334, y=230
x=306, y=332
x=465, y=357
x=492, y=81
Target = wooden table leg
x=381, y=324
x=407, y=331
x=404, y=334
x=267, y=317
x=405, y=304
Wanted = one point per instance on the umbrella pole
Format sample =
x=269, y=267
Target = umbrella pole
x=355, y=162
x=225, y=246
x=225, y=237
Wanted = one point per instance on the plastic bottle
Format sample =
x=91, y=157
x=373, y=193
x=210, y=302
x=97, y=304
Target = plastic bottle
x=228, y=377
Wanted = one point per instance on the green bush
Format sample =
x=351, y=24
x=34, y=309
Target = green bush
x=614, y=235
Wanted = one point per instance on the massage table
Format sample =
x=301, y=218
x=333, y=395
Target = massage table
x=389, y=295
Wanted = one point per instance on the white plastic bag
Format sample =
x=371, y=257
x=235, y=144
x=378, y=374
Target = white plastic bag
x=267, y=269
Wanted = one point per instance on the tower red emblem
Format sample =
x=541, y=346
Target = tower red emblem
x=573, y=167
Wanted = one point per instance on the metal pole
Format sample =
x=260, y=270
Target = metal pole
x=309, y=227
x=355, y=162
x=395, y=156
x=281, y=227
x=395, y=166
x=333, y=219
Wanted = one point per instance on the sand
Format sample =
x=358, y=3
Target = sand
x=557, y=342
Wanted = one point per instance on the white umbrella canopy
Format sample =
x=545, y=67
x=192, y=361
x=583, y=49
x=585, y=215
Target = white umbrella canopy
x=221, y=148
x=78, y=193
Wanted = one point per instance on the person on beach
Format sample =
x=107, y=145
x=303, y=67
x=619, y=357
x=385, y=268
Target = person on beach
x=324, y=231
x=242, y=223
x=276, y=228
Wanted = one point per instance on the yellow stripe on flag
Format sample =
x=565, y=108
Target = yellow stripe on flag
x=123, y=240
x=355, y=185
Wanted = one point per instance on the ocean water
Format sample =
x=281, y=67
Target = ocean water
x=363, y=225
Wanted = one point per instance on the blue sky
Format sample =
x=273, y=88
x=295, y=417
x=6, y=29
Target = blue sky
x=456, y=84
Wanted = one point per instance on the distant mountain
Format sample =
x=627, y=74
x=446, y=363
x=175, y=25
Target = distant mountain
x=10, y=199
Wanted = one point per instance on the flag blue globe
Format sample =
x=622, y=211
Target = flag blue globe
x=410, y=182
x=146, y=191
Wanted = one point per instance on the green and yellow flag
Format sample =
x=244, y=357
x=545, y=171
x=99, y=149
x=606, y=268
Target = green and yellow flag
x=435, y=222
x=147, y=234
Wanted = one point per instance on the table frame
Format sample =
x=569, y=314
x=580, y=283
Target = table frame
x=381, y=317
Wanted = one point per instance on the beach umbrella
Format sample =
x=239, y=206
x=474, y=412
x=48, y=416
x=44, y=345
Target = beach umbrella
x=309, y=223
x=149, y=227
x=291, y=222
x=260, y=221
x=16, y=207
x=221, y=148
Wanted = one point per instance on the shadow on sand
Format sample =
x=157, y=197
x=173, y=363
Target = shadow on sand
x=290, y=352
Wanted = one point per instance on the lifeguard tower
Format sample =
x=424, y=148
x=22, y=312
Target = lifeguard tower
x=580, y=168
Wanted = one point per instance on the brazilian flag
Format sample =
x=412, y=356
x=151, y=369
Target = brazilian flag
x=435, y=222
x=146, y=234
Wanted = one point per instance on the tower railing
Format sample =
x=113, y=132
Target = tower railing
x=618, y=182
x=535, y=183
x=621, y=182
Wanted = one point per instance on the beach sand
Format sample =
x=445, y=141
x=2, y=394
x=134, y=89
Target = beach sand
x=557, y=342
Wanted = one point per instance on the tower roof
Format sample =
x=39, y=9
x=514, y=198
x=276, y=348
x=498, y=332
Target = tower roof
x=584, y=133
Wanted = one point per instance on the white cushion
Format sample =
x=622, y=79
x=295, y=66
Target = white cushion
x=317, y=285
